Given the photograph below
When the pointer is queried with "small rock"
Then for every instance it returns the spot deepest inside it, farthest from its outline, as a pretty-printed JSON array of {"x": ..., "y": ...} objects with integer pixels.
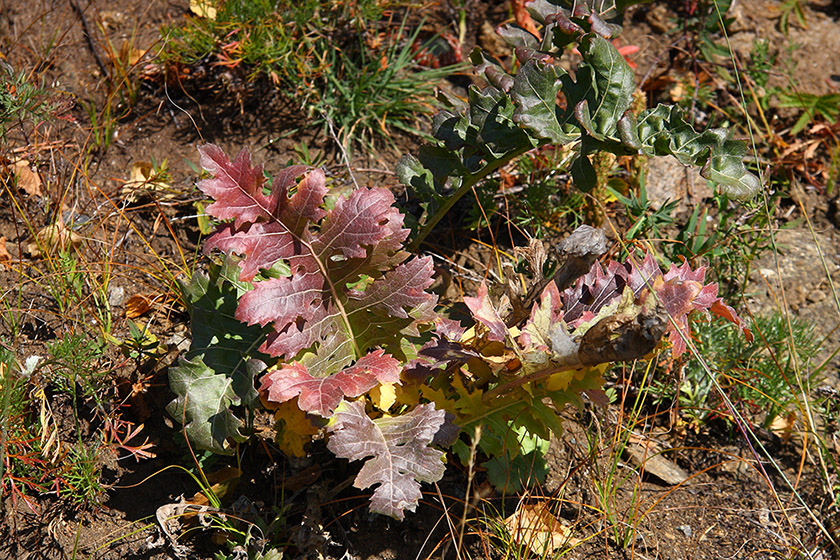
[
  {"x": 116, "y": 296},
  {"x": 816, "y": 296},
  {"x": 685, "y": 530},
  {"x": 668, "y": 179},
  {"x": 179, "y": 341}
]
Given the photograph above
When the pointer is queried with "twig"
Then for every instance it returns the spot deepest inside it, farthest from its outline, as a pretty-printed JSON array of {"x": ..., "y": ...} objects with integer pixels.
[
  {"x": 341, "y": 147},
  {"x": 89, "y": 37}
]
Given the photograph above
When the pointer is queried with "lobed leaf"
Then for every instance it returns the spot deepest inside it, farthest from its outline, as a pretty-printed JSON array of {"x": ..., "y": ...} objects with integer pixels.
[
  {"x": 321, "y": 395},
  {"x": 350, "y": 286},
  {"x": 203, "y": 405},
  {"x": 218, "y": 371},
  {"x": 397, "y": 450}
]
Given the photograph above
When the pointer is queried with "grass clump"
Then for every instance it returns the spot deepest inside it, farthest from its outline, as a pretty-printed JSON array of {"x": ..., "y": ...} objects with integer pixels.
[{"x": 351, "y": 72}]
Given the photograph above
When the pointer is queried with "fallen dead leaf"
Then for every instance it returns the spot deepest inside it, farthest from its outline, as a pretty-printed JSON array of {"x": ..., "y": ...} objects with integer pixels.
[
  {"x": 53, "y": 236},
  {"x": 27, "y": 180},
  {"x": 138, "y": 305},
  {"x": 537, "y": 528},
  {"x": 130, "y": 55},
  {"x": 5, "y": 257},
  {"x": 144, "y": 180},
  {"x": 222, "y": 483}
]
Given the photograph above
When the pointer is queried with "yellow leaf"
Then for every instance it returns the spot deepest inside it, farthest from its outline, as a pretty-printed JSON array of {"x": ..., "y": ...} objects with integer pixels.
[
  {"x": 383, "y": 396},
  {"x": 560, "y": 381},
  {"x": 294, "y": 430},
  {"x": 203, "y": 8},
  {"x": 439, "y": 397}
]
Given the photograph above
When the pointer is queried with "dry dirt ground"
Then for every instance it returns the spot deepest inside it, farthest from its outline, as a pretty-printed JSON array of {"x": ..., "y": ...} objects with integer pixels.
[{"x": 726, "y": 509}]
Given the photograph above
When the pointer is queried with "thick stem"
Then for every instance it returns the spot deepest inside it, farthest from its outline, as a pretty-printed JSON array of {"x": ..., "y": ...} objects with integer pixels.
[
  {"x": 519, "y": 381},
  {"x": 469, "y": 182}
]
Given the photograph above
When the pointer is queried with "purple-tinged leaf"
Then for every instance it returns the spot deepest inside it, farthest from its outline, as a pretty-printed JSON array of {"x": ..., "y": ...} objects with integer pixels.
[
  {"x": 397, "y": 452},
  {"x": 236, "y": 186},
  {"x": 402, "y": 288},
  {"x": 263, "y": 243},
  {"x": 320, "y": 395},
  {"x": 366, "y": 219},
  {"x": 449, "y": 328},
  {"x": 683, "y": 291},
  {"x": 591, "y": 292},
  {"x": 642, "y": 276},
  {"x": 484, "y": 312},
  {"x": 350, "y": 287},
  {"x": 282, "y": 300},
  {"x": 305, "y": 205}
]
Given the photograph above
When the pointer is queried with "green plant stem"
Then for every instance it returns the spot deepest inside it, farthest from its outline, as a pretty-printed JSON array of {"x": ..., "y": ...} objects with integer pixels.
[
  {"x": 519, "y": 381},
  {"x": 470, "y": 181}
]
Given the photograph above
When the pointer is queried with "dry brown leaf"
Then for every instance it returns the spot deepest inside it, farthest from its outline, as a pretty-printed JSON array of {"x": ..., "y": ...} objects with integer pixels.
[
  {"x": 222, "y": 483},
  {"x": 130, "y": 55},
  {"x": 532, "y": 525},
  {"x": 53, "y": 236},
  {"x": 138, "y": 305},
  {"x": 27, "y": 180},
  {"x": 5, "y": 257},
  {"x": 142, "y": 179}
]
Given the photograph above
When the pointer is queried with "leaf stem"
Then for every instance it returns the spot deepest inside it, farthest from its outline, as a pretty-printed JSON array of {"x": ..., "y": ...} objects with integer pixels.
[
  {"x": 536, "y": 376},
  {"x": 469, "y": 182}
]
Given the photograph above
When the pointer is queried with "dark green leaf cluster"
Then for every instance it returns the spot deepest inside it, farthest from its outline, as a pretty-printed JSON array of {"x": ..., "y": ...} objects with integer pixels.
[{"x": 544, "y": 104}]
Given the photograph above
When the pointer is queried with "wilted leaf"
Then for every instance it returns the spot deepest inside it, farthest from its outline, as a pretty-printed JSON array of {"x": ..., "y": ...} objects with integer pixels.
[
  {"x": 222, "y": 483},
  {"x": 143, "y": 180},
  {"x": 397, "y": 452}
]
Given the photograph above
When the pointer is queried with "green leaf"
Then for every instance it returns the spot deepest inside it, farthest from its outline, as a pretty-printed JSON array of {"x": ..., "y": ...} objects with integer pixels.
[
  {"x": 203, "y": 405},
  {"x": 491, "y": 113},
  {"x": 663, "y": 131},
  {"x": 604, "y": 86},
  {"x": 222, "y": 342},
  {"x": 418, "y": 178},
  {"x": 218, "y": 370},
  {"x": 534, "y": 93}
]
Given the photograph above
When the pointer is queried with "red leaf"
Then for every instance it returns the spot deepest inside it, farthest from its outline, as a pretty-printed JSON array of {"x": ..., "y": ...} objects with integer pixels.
[
  {"x": 365, "y": 219},
  {"x": 236, "y": 186},
  {"x": 401, "y": 288},
  {"x": 263, "y": 243},
  {"x": 484, "y": 312},
  {"x": 320, "y": 395},
  {"x": 350, "y": 286}
]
